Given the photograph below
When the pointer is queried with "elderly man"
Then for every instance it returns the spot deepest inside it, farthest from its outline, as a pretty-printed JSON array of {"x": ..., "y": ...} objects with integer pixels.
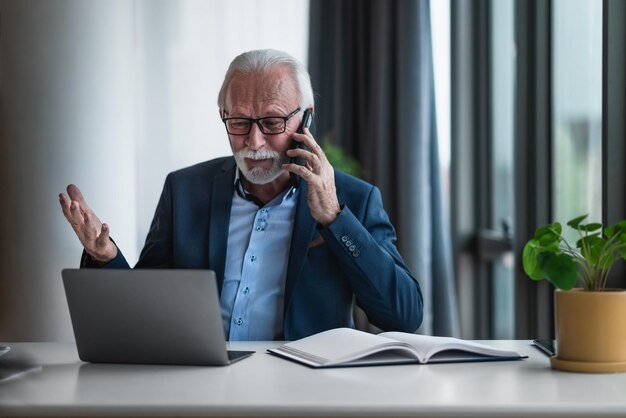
[{"x": 290, "y": 256}]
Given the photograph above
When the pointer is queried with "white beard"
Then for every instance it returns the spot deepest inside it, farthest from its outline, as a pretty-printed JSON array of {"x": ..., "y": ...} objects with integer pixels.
[{"x": 259, "y": 175}]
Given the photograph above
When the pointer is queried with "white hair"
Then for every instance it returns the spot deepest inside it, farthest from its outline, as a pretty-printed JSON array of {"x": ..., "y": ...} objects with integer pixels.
[{"x": 262, "y": 61}]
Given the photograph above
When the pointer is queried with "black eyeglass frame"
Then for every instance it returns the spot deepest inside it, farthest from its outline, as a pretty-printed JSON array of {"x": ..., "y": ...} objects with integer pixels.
[{"x": 258, "y": 123}]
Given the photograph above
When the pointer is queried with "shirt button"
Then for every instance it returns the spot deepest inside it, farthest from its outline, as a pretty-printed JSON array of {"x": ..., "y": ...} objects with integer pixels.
[
  {"x": 355, "y": 253},
  {"x": 344, "y": 238},
  {"x": 246, "y": 290},
  {"x": 239, "y": 321},
  {"x": 252, "y": 258},
  {"x": 352, "y": 247},
  {"x": 348, "y": 243}
]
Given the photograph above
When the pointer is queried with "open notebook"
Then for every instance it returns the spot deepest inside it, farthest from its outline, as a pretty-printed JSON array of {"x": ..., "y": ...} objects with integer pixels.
[{"x": 349, "y": 347}]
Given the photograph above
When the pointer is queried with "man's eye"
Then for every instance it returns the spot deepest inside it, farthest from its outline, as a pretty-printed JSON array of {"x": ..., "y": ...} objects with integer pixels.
[
  {"x": 239, "y": 124},
  {"x": 272, "y": 123}
]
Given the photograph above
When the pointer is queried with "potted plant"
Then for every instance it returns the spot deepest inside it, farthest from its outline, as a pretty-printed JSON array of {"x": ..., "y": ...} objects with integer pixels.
[{"x": 590, "y": 320}]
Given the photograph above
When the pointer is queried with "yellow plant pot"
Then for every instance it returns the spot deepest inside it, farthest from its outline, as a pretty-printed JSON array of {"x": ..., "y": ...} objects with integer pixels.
[{"x": 590, "y": 331}]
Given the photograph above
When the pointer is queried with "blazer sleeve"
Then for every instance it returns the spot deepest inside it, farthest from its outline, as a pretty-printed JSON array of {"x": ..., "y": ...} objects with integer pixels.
[
  {"x": 383, "y": 286},
  {"x": 119, "y": 262}
]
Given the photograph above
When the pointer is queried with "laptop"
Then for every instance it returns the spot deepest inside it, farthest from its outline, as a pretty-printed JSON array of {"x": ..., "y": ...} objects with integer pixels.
[{"x": 147, "y": 317}]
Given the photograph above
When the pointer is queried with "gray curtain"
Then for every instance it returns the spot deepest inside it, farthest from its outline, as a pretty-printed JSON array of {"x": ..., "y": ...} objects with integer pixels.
[{"x": 372, "y": 71}]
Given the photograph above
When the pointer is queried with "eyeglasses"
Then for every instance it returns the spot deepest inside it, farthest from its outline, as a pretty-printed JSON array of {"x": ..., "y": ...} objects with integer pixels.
[{"x": 271, "y": 125}]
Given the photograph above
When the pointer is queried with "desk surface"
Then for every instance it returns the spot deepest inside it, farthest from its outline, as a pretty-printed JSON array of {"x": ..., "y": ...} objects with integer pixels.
[{"x": 263, "y": 385}]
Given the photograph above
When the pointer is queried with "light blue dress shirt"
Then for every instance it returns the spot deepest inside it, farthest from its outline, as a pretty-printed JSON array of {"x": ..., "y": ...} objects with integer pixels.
[{"x": 256, "y": 266}]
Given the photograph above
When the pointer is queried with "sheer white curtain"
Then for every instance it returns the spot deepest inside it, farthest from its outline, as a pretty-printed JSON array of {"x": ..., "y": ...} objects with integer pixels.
[{"x": 110, "y": 95}]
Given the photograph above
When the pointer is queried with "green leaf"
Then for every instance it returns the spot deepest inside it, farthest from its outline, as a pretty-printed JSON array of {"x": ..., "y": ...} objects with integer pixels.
[
  {"x": 529, "y": 260},
  {"x": 576, "y": 221},
  {"x": 590, "y": 227},
  {"x": 548, "y": 239},
  {"x": 591, "y": 248},
  {"x": 560, "y": 269},
  {"x": 552, "y": 247},
  {"x": 543, "y": 258},
  {"x": 553, "y": 229},
  {"x": 616, "y": 229}
]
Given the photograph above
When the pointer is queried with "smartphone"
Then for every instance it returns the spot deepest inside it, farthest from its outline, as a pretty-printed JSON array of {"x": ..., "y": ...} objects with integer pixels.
[
  {"x": 307, "y": 117},
  {"x": 547, "y": 346}
]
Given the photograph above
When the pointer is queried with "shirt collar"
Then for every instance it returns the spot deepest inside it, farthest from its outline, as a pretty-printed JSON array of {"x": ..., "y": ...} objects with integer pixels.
[{"x": 241, "y": 192}]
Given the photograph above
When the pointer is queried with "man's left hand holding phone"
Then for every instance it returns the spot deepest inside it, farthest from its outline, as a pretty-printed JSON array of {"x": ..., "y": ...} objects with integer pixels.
[{"x": 316, "y": 171}]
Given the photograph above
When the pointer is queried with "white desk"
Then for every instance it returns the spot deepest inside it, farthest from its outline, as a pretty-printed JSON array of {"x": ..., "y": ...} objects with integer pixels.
[{"x": 263, "y": 385}]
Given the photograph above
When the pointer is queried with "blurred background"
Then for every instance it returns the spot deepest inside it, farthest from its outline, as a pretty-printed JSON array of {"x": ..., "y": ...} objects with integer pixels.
[{"x": 478, "y": 119}]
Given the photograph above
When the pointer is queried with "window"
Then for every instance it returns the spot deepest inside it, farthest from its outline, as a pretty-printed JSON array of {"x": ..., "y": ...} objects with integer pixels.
[
  {"x": 538, "y": 131},
  {"x": 577, "y": 109},
  {"x": 440, "y": 18},
  {"x": 502, "y": 87}
]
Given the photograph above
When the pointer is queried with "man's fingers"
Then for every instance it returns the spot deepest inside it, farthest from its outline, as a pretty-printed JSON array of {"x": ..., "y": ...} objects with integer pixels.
[
  {"x": 92, "y": 226},
  {"x": 76, "y": 215},
  {"x": 314, "y": 163},
  {"x": 75, "y": 194},
  {"x": 300, "y": 170},
  {"x": 103, "y": 239},
  {"x": 90, "y": 231},
  {"x": 307, "y": 139},
  {"x": 65, "y": 206},
  {"x": 310, "y": 142}
]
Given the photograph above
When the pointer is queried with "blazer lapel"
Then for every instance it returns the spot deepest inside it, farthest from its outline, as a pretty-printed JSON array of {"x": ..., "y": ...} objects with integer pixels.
[
  {"x": 221, "y": 202},
  {"x": 303, "y": 231}
]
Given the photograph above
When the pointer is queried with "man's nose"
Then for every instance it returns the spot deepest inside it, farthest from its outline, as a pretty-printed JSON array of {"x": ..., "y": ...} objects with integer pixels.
[{"x": 256, "y": 139}]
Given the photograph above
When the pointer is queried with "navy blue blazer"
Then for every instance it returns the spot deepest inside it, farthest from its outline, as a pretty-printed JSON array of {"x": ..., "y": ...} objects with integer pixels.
[{"x": 354, "y": 258}]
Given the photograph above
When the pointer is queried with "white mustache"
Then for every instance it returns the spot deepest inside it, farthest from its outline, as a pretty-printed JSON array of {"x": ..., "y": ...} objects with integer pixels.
[{"x": 258, "y": 155}]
